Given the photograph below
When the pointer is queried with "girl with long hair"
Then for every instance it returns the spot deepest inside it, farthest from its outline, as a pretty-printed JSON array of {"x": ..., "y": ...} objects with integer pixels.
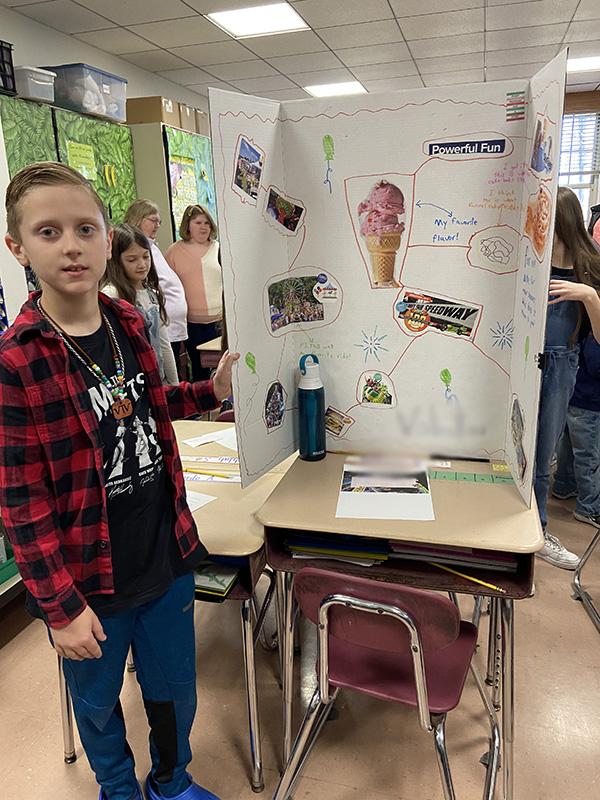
[{"x": 131, "y": 275}]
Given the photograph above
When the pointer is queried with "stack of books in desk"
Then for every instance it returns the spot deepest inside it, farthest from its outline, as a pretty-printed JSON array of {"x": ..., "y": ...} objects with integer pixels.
[
  {"x": 215, "y": 581},
  {"x": 459, "y": 556},
  {"x": 351, "y": 549}
]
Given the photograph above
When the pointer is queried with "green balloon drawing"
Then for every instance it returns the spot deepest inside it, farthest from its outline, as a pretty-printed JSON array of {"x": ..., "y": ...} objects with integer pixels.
[
  {"x": 328, "y": 147},
  {"x": 251, "y": 362},
  {"x": 526, "y": 348},
  {"x": 446, "y": 377}
]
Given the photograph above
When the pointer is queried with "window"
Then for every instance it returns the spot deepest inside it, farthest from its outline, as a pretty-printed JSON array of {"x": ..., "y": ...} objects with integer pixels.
[{"x": 580, "y": 157}]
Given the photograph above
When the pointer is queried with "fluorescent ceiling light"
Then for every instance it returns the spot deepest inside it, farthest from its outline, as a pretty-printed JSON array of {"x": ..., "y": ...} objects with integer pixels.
[
  {"x": 258, "y": 21},
  {"x": 333, "y": 89},
  {"x": 583, "y": 64}
]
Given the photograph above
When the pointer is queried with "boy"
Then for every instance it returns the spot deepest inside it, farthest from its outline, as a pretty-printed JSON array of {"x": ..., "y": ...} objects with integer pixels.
[{"x": 91, "y": 486}]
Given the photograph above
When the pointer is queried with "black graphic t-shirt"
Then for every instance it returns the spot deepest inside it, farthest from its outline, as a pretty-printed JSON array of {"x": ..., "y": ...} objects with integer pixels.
[{"x": 145, "y": 555}]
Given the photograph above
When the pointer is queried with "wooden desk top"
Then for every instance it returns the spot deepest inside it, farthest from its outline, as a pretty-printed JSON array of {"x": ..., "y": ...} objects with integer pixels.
[
  {"x": 214, "y": 345},
  {"x": 485, "y": 515},
  {"x": 228, "y": 525}
]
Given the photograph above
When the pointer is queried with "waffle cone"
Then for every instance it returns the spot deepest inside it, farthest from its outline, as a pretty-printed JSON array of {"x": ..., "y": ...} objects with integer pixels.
[{"x": 383, "y": 251}]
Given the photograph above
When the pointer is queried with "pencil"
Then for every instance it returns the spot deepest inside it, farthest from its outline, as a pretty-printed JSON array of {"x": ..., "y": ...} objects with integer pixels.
[
  {"x": 205, "y": 472},
  {"x": 470, "y": 578}
]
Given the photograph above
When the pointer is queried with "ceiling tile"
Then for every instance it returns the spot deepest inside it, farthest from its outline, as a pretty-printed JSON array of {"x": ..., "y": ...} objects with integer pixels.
[
  {"x": 523, "y": 15},
  {"x": 584, "y": 32},
  {"x": 286, "y": 94},
  {"x": 526, "y": 37},
  {"x": 450, "y": 63},
  {"x": 524, "y": 71},
  {"x": 14, "y": 3},
  {"x": 254, "y": 85},
  {"x": 64, "y": 16},
  {"x": 131, "y": 12},
  {"x": 521, "y": 55},
  {"x": 179, "y": 33},
  {"x": 374, "y": 54},
  {"x": 216, "y": 53},
  {"x": 453, "y": 23},
  {"x": 505, "y": 2},
  {"x": 392, "y": 84},
  {"x": 321, "y": 15},
  {"x": 447, "y": 45},
  {"x": 588, "y": 9},
  {"x": 363, "y": 34},
  {"x": 285, "y": 44},
  {"x": 412, "y": 8},
  {"x": 186, "y": 76},
  {"x": 154, "y": 60},
  {"x": 395, "y": 69},
  {"x": 212, "y": 6},
  {"x": 454, "y": 78},
  {"x": 306, "y": 63},
  {"x": 114, "y": 40},
  {"x": 319, "y": 77},
  {"x": 242, "y": 69},
  {"x": 202, "y": 88},
  {"x": 582, "y": 49}
]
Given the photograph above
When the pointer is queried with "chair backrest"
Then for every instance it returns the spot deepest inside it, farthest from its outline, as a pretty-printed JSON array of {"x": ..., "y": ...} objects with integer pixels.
[
  {"x": 435, "y": 616},
  {"x": 225, "y": 416}
]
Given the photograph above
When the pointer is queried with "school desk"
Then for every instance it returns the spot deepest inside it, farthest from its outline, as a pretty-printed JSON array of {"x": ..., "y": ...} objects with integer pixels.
[
  {"x": 210, "y": 352},
  {"x": 227, "y": 527},
  {"x": 580, "y": 592},
  {"x": 468, "y": 513}
]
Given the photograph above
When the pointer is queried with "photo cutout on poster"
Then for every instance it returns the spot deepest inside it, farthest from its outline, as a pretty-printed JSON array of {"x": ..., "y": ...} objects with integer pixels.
[
  {"x": 417, "y": 312},
  {"x": 285, "y": 214},
  {"x": 542, "y": 155},
  {"x": 517, "y": 430},
  {"x": 275, "y": 406},
  {"x": 305, "y": 297},
  {"x": 337, "y": 422},
  {"x": 376, "y": 390},
  {"x": 247, "y": 173},
  {"x": 381, "y": 216},
  {"x": 538, "y": 219}
]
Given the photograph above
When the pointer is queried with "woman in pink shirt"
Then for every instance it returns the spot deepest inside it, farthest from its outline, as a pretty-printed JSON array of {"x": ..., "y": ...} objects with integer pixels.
[{"x": 195, "y": 259}]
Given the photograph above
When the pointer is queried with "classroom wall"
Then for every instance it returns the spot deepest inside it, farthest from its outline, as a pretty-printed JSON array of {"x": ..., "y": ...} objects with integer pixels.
[{"x": 38, "y": 45}]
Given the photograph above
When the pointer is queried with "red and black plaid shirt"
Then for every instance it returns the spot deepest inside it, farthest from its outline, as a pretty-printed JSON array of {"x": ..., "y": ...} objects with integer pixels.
[{"x": 52, "y": 491}]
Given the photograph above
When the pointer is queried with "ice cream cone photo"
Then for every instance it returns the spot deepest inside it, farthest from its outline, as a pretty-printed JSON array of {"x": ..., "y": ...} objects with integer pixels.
[{"x": 382, "y": 228}]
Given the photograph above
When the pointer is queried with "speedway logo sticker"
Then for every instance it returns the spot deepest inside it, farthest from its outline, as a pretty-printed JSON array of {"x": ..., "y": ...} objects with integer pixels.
[{"x": 417, "y": 311}]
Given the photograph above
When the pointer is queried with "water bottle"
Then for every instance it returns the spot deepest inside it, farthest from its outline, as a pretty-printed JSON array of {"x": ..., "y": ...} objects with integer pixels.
[{"x": 311, "y": 410}]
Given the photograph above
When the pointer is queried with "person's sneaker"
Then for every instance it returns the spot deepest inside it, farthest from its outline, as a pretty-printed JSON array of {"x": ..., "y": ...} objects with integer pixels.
[
  {"x": 591, "y": 519},
  {"x": 554, "y": 553},
  {"x": 564, "y": 496}
]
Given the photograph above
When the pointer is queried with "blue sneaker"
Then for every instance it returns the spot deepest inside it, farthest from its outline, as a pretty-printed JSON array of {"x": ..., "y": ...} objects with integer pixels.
[
  {"x": 137, "y": 796},
  {"x": 193, "y": 792}
]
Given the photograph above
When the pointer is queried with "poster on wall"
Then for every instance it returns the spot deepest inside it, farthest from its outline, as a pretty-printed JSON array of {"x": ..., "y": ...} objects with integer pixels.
[
  {"x": 190, "y": 168},
  {"x": 405, "y": 240}
]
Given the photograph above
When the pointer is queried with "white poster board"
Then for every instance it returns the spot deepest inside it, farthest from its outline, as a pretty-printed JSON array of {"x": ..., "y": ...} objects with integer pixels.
[{"x": 403, "y": 238}]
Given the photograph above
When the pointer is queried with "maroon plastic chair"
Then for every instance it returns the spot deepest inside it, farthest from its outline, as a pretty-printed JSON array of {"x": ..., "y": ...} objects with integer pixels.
[
  {"x": 225, "y": 416},
  {"x": 392, "y": 642}
]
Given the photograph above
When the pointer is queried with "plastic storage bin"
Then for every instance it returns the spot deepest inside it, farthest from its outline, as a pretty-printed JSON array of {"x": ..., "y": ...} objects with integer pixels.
[
  {"x": 35, "y": 83},
  {"x": 9, "y": 568},
  {"x": 7, "y": 73},
  {"x": 88, "y": 90}
]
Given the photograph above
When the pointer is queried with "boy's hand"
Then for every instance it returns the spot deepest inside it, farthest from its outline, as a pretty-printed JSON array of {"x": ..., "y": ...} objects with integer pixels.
[
  {"x": 79, "y": 639},
  {"x": 222, "y": 378}
]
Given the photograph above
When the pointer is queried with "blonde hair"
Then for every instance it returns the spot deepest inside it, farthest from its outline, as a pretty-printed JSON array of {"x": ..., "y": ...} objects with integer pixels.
[
  {"x": 138, "y": 211},
  {"x": 189, "y": 214},
  {"x": 44, "y": 173}
]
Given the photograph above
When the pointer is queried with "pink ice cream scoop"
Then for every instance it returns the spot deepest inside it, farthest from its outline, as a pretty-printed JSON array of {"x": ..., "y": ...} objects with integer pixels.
[{"x": 382, "y": 208}]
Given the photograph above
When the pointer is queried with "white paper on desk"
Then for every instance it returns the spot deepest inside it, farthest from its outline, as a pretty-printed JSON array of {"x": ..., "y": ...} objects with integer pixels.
[
  {"x": 225, "y": 478},
  {"x": 225, "y": 437},
  {"x": 195, "y": 500},
  {"x": 385, "y": 489}
]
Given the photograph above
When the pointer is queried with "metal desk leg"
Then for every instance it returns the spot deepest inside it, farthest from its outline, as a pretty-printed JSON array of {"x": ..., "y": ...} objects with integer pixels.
[
  {"x": 251, "y": 695},
  {"x": 580, "y": 592},
  {"x": 285, "y": 599},
  {"x": 494, "y": 660},
  {"x": 66, "y": 712},
  {"x": 508, "y": 688}
]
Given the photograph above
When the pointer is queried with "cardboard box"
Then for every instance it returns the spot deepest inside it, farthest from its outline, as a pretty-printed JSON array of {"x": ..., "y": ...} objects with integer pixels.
[
  {"x": 187, "y": 116},
  {"x": 202, "y": 125},
  {"x": 153, "y": 109}
]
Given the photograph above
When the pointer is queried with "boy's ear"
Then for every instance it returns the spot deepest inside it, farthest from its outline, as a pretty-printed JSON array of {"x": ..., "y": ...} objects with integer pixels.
[
  {"x": 109, "y": 239},
  {"x": 18, "y": 251}
]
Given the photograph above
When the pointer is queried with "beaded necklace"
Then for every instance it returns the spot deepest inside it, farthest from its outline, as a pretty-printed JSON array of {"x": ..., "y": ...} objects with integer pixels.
[{"x": 122, "y": 406}]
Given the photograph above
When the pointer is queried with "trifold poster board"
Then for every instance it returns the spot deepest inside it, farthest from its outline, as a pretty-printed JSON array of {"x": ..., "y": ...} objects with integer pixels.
[{"x": 404, "y": 239}]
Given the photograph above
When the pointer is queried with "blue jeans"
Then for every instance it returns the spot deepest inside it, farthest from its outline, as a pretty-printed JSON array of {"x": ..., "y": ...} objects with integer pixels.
[
  {"x": 558, "y": 382},
  {"x": 161, "y": 634},
  {"x": 579, "y": 460}
]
